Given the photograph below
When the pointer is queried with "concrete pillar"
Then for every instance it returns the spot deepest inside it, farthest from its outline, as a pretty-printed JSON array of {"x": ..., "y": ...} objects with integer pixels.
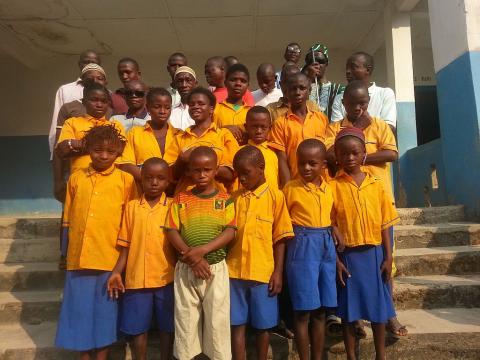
[
  {"x": 455, "y": 31},
  {"x": 400, "y": 77}
]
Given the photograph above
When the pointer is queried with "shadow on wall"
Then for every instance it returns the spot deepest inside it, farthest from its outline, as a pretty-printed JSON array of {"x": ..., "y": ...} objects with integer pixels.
[{"x": 26, "y": 178}]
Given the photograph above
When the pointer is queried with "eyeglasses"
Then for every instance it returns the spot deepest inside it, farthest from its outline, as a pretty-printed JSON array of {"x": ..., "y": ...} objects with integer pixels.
[
  {"x": 134, "y": 93},
  {"x": 293, "y": 49}
]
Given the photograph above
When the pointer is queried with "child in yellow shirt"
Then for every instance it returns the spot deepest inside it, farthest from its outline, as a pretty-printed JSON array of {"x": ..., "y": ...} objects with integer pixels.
[
  {"x": 255, "y": 258},
  {"x": 311, "y": 258},
  {"x": 96, "y": 197},
  {"x": 364, "y": 212},
  {"x": 149, "y": 260}
]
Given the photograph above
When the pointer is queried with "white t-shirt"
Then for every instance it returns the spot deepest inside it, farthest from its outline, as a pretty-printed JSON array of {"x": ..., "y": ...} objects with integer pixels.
[
  {"x": 382, "y": 105},
  {"x": 180, "y": 118},
  {"x": 262, "y": 99}
]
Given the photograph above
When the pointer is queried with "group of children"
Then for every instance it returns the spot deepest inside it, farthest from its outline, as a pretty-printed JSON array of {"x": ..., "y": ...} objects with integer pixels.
[{"x": 202, "y": 228}]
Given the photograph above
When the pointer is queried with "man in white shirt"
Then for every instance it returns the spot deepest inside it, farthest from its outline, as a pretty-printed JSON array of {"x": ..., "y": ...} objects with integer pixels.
[
  {"x": 267, "y": 92},
  {"x": 382, "y": 100},
  {"x": 70, "y": 92},
  {"x": 184, "y": 81},
  {"x": 175, "y": 61}
]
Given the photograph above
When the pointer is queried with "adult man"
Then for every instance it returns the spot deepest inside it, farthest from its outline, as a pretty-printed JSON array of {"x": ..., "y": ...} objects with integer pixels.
[
  {"x": 128, "y": 70},
  {"x": 292, "y": 54},
  {"x": 184, "y": 81},
  {"x": 70, "y": 92},
  {"x": 137, "y": 114},
  {"x": 382, "y": 100},
  {"x": 322, "y": 91},
  {"x": 175, "y": 61}
]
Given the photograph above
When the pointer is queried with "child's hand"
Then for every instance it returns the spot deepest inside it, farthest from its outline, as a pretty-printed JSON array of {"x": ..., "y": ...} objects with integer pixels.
[
  {"x": 185, "y": 156},
  {"x": 341, "y": 269},
  {"x": 193, "y": 256},
  {"x": 237, "y": 132},
  {"x": 275, "y": 284},
  {"x": 338, "y": 239},
  {"x": 387, "y": 268},
  {"x": 115, "y": 285},
  {"x": 201, "y": 270}
]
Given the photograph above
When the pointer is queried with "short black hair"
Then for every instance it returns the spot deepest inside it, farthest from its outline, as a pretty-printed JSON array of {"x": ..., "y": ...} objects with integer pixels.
[
  {"x": 218, "y": 60},
  {"x": 154, "y": 161},
  {"x": 288, "y": 70},
  {"x": 157, "y": 91},
  {"x": 369, "y": 62},
  {"x": 311, "y": 144},
  {"x": 258, "y": 110},
  {"x": 89, "y": 51},
  {"x": 177, "y": 54},
  {"x": 230, "y": 60},
  {"x": 105, "y": 133},
  {"x": 93, "y": 86},
  {"x": 203, "y": 91},
  {"x": 292, "y": 44},
  {"x": 354, "y": 86},
  {"x": 129, "y": 60},
  {"x": 203, "y": 151},
  {"x": 237, "y": 68},
  {"x": 293, "y": 77},
  {"x": 251, "y": 154}
]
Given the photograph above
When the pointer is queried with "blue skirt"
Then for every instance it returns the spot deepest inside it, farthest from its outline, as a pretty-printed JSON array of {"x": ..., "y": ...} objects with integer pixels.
[
  {"x": 365, "y": 295},
  {"x": 88, "y": 318},
  {"x": 311, "y": 268}
]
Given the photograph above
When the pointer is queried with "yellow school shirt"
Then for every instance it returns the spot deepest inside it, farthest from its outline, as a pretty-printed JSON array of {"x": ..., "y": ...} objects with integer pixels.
[
  {"x": 362, "y": 212},
  {"x": 75, "y": 129},
  {"x": 142, "y": 145},
  {"x": 289, "y": 131},
  {"x": 279, "y": 108},
  {"x": 309, "y": 205},
  {"x": 151, "y": 258},
  {"x": 220, "y": 140},
  {"x": 93, "y": 212},
  {"x": 271, "y": 162},
  {"x": 262, "y": 220},
  {"x": 225, "y": 114},
  {"x": 378, "y": 136}
]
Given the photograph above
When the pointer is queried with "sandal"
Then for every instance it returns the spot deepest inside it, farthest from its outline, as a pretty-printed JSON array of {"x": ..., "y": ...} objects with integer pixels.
[
  {"x": 359, "y": 329},
  {"x": 333, "y": 326},
  {"x": 396, "y": 329}
]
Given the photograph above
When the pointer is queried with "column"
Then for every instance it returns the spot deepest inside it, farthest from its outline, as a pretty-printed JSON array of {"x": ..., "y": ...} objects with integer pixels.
[
  {"x": 455, "y": 31},
  {"x": 400, "y": 78}
]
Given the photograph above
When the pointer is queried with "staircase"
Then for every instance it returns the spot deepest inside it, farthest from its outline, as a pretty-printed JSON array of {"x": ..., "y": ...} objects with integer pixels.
[{"x": 437, "y": 290}]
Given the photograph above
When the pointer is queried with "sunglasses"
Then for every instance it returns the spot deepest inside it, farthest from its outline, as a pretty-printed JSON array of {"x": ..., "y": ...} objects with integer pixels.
[
  {"x": 134, "y": 93},
  {"x": 293, "y": 50}
]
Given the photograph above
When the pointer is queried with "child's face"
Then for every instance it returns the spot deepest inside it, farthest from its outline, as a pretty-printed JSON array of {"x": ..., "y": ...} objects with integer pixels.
[
  {"x": 154, "y": 180},
  {"x": 135, "y": 95},
  {"x": 236, "y": 84},
  {"x": 127, "y": 72},
  {"x": 356, "y": 69},
  {"x": 96, "y": 103},
  {"x": 160, "y": 108},
  {"x": 199, "y": 108},
  {"x": 356, "y": 103},
  {"x": 298, "y": 90},
  {"x": 249, "y": 175},
  {"x": 310, "y": 163},
  {"x": 349, "y": 152},
  {"x": 215, "y": 74},
  {"x": 103, "y": 155},
  {"x": 258, "y": 127},
  {"x": 266, "y": 81},
  {"x": 202, "y": 170}
]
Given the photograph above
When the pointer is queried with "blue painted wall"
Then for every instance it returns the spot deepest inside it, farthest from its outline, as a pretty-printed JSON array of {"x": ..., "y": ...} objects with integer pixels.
[
  {"x": 25, "y": 179},
  {"x": 458, "y": 89}
]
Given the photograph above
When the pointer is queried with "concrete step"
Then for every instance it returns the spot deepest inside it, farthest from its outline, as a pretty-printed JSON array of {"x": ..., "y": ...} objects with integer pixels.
[
  {"x": 30, "y": 276},
  {"x": 438, "y": 261},
  {"x": 29, "y": 227},
  {"x": 29, "y": 307},
  {"x": 442, "y": 333},
  {"x": 445, "y": 234},
  {"x": 431, "y": 215},
  {"x": 29, "y": 250},
  {"x": 437, "y": 291}
]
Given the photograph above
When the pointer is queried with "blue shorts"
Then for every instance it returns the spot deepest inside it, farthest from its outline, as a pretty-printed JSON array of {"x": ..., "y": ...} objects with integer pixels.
[
  {"x": 250, "y": 304},
  {"x": 139, "y": 305},
  {"x": 311, "y": 268},
  {"x": 88, "y": 318}
]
